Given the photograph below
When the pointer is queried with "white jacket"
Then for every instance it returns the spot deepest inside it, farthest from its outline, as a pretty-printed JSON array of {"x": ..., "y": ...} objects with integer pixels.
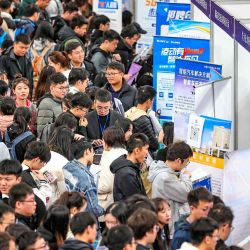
[
  {"x": 188, "y": 246},
  {"x": 106, "y": 178},
  {"x": 54, "y": 166}
]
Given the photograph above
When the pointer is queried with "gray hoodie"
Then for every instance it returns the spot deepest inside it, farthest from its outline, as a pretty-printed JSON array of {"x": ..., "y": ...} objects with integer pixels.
[{"x": 172, "y": 186}]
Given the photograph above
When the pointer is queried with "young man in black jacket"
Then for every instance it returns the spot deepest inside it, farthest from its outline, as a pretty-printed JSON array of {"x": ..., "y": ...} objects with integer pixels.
[{"x": 127, "y": 181}]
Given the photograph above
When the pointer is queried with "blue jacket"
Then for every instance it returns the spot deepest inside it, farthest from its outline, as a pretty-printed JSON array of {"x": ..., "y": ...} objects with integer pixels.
[
  {"x": 78, "y": 178},
  {"x": 181, "y": 233}
]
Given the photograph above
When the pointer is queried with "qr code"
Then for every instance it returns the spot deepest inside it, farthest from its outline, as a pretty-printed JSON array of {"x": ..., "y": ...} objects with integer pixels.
[{"x": 194, "y": 135}]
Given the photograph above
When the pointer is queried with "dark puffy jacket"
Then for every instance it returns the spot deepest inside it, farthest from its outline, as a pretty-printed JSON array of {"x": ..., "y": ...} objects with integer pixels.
[
  {"x": 127, "y": 95},
  {"x": 127, "y": 181},
  {"x": 181, "y": 234},
  {"x": 73, "y": 244},
  {"x": 96, "y": 37},
  {"x": 91, "y": 69}
]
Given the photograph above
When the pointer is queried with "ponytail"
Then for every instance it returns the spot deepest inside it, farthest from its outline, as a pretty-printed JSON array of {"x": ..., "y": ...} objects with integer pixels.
[{"x": 22, "y": 117}]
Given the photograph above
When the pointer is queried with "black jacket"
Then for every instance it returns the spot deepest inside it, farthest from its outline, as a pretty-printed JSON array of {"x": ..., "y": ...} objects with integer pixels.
[
  {"x": 89, "y": 66},
  {"x": 10, "y": 64},
  {"x": 127, "y": 179},
  {"x": 73, "y": 244},
  {"x": 81, "y": 130},
  {"x": 49, "y": 237},
  {"x": 126, "y": 53},
  {"x": 66, "y": 32},
  {"x": 92, "y": 128},
  {"x": 127, "y": 95}
]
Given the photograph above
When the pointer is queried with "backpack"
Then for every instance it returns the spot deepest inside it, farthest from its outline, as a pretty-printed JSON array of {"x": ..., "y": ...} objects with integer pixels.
[
  {"x": 11, "y": 145},
  {"x": 2, "y": 38},
  {"x": 60, "y": 45},
  {"x": 25, "y": 29}
]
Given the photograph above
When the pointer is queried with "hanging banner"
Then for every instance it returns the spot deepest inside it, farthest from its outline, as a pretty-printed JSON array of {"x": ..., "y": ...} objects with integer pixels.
[
  {"x": 189, "y": 29},
  {"x": 167, "y": 11},
  {"x": 215, "y": 142},
  {"x": 111, "y": 9},
  {"x": 166, "y": 50},
  {"x": 203, "y": 5},
  {"x": 187, "y": 75},
  {"x": 242, "y": 35}
]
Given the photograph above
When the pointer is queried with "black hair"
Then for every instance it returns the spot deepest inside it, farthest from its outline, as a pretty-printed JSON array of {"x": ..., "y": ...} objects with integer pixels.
[
  {"x": 8, "y": 106},
  {"x": 12, "y": 167},
  {"x": 27, "y": 239},
  {"x": 5, "y": 209},
  {"x": 5, "y": 4},
  {"x": 199, "y": 194},
  {"x": 218, "y": 200},
  {"x": 77, "y": 74},
  {"x": 118, "y": 210},
  {"x": 57, "y": 78},
  {"x": 116, "y": 65},
  {"x": 44, "y": 30},
  {"x": 111, "y": 35},
  {"x": 70, "y": 7},
  {"x": 72, "y": 46},
  {"x": 37, "y": 149},
  {"x": 81, "y": 100},
  {"x": 129, "y": 31},
  {"x": 72, "y": 199},
  {"x": 80, "y": 3},
  {"x": 18, "y": 193},
  {"x": 81, "y": 221},
  {"x": 30, "y": 10},
  {"x": 15, "y": 230},
  {"x": 114, "y": 137},
  {"x": 168, "y": 130},
  {"x": 145, "y": 93},
  {"x": 103, "y": 95},
  {"x": 79, "y": 147},
  {"x": 66, "y": 119},
  {"x": 56, "y": 221},
  {"x": 142, "y": 221},
  {"x": 78, "y": 22},
  {"x": 124, "y": 124},
  {"x": 201, "y": 228},
  {"x": 179, "y": 150},
  {"x": 23, "y": 38},
  {"x": 67, "y": 100},
  {"x": 6, "y": 44},
  {"x": 126, "y": 17},
  {"x": 119, "y": 236},
  {"x": 5, "y": 239},
  {"x": 60, "y": 141},
  {"x": 221, "y": 214},
  {"x": 100, "y": 19},
  {"x": 137, "y": 140},
  {"x": 91, "y": 92}
]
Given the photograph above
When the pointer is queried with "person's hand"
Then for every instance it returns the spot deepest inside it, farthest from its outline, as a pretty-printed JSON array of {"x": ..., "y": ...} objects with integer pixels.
[
  {"x": 78, "y": 137},
  {"x": 187, "y": 173},
  {"x": 117, "y": 57},
  {"x": 38, "y": 175},
  {"x": 83, "y": 122},
  {"x": 127, "y": 77},
  {"x": 98, "y": 142}
]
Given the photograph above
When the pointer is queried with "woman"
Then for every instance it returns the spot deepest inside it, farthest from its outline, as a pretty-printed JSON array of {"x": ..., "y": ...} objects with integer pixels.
[
  {"x": 18, "y": 134},
  {"x": 21, "y": 90},
  {"x": 59, "y": 61},
  {"x": 55, "y": 226},
  {"x": 59, "y": 143},
  {"x": 126, "y": 125},
  {"x": 114, "y": 147}
]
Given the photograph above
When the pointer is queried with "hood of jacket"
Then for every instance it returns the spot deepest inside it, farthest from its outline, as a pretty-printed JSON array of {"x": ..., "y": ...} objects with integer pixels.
[
  {"x": 47, "y": 95},
  {"x": 182, "y": 224},
  {"x": 66, "y": 32},
  {"x": 123, "y": 46},
  {"x": 97, "y": 49},
  {"x": 134, "y": 113},
  {"x": 73, "y": 244},
  {"x": 120, "y": 163},
  {"x": 96, "y": 35}
]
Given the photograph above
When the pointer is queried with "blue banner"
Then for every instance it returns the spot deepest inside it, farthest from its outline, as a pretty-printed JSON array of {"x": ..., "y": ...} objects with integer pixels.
[
  {"x": 168, "y": 11},
  {"x": 166, "y": 50}
]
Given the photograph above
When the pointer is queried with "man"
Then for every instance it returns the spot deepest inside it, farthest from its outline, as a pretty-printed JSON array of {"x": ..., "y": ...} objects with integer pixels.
[
  {"x": 36, "y": 156},
  {"x": 118, "y": 87},
  {"x": 83, "y": 226},
  {"x": 127, "y": 180},
  {"x": 10, "y": 175},
  {"x": 50, "y": 105},
  {"x": 80, "y": 105},
  {"x": 102, "y": 55},
  {"x": 169, "y": 182},
  {"x": 204, "y": 235},
  {"x": 78, "y": 80},
  {"x": 76, "y": 54},
  {"x": 139, "y": 116},
  {"x": 7, "y": 216},
  {"x": 124, "y": 48},
  {"x": 73, "y": 33},
  {"x": 200, "y": 201},
  {"x": 102, "y": 117},
  {"x": 15, "y": 61},
  {"x": 22, "y": 200},
  {"x": 42, "y": 5},
  {"x": 144, "y": 223},
  {"x": 78, "y": 177},
  {"x": 223, "y": 215}
]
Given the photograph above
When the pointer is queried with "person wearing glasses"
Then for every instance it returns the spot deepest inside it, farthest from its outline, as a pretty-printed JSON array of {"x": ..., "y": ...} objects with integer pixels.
[
  {"x": 223, "y": 215},
  {"x": 170, "y": 182},
  {"x": 50, "y": 105}
]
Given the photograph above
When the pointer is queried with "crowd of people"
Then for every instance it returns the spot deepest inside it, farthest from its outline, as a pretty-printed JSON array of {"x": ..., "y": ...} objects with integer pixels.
[{"x": 84, "y": 161}]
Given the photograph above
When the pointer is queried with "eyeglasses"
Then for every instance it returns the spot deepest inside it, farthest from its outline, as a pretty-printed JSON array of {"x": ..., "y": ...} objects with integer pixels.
[
  {"x": 63, "y": 88},
  {"x": 112, "y": 74},
  {"x": 29, "y": 201}
]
